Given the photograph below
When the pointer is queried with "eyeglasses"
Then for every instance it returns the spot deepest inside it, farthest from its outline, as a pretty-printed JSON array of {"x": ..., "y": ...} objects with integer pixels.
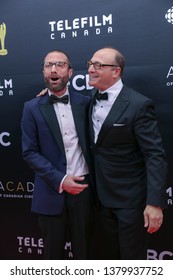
[
  {"x": 58, "y": 64},
  {"x": 97, "y": 65}
]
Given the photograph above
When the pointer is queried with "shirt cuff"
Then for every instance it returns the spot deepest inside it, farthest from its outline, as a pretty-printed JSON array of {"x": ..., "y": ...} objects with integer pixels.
[{"x": 60, "y": 187}]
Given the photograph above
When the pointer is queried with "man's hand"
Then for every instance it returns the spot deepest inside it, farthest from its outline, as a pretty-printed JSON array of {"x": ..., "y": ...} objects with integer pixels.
[
  {"x": 153, "y": 218},
  {"x": 43, "y": 92},
  {"x": 71, "y": 185}
]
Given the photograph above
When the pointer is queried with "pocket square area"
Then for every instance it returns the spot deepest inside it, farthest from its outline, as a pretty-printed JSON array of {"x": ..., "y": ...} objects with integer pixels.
[{"x": 119, "y": 124}]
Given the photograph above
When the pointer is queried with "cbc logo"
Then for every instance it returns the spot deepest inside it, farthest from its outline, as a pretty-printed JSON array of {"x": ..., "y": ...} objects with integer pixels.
[
  {"x": 4, "y": 139},
  {"x": 164, "y": 255},
  {"x": 80, "y": 82},
  {"x": 169, "y": 15}
]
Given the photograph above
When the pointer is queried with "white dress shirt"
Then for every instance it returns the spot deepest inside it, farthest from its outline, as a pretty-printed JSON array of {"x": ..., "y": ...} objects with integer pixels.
[
  {"x": 76, "y": 164},
  {"x": 102, "y": 107}
]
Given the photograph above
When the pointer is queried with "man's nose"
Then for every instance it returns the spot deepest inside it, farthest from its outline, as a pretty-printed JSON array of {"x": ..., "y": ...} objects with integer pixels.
[
  {"x": 53, "y": 68},
  {"x": 91, "y": 68}
]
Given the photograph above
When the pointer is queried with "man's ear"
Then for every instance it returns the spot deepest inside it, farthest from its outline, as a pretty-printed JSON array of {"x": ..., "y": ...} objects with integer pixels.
[
  {"x": 117, "y": 72},
  {"x": 70, "y": 72}
]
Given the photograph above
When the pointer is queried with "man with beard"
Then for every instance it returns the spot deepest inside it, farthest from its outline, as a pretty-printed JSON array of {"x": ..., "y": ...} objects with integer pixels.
[{"x": 56, "y": 147}]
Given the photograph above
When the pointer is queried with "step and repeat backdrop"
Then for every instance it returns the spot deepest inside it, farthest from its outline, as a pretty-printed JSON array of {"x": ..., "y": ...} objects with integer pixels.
[{"x": 141, "y": 30}]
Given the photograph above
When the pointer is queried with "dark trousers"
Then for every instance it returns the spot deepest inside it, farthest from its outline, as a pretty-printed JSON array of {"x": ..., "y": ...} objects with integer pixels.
[
  {"x": 124, "y": 232},
  {"x": 76, "y": 221}
]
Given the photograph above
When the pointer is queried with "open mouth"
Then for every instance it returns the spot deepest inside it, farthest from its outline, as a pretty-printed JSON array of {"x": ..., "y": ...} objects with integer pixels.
[{"x": 54, "y": 79}]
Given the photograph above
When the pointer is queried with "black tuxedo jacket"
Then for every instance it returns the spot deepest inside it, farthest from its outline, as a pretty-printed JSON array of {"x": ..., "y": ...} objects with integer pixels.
[
  {"x": 129, "y": 157},
  {"x": 43, "y": 148}
]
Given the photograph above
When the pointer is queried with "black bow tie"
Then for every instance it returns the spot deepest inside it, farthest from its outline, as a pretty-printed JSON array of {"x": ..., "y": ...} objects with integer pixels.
[
  {"x": 54, "y": 99},
  {"x": 102, "y": 96}
]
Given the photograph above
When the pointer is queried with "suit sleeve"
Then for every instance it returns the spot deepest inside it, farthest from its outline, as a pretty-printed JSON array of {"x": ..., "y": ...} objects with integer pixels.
[
  {"x": 41, "y": 166},
  {"x": 150, "y": 143}
]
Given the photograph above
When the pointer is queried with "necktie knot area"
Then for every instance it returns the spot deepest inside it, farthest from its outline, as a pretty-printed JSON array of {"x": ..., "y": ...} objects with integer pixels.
[{"x": 54, "y": 99}]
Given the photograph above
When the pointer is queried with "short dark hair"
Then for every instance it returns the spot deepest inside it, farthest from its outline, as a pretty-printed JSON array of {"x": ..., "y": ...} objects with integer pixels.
[{"x": 63, "y": 52}]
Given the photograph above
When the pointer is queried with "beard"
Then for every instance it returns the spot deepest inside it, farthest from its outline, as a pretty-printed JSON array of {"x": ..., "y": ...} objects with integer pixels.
[{"x": 56, "y": 85}]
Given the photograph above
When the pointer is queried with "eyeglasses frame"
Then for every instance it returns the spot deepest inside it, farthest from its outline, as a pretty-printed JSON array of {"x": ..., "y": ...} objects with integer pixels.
[{"x": 99, "y": 65}]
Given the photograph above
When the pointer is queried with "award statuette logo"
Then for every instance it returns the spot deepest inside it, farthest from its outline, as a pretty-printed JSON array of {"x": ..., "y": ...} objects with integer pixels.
[{"x": 3, "y": 51}]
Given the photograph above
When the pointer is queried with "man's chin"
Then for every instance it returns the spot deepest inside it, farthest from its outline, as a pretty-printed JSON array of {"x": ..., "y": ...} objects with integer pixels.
[
  {"x": 56, "y": 88},
  {"x": 91, "y": 83}
]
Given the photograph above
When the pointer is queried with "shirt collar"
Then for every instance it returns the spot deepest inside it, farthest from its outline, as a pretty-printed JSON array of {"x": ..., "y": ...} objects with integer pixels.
[{"x": 114, "y": 90}]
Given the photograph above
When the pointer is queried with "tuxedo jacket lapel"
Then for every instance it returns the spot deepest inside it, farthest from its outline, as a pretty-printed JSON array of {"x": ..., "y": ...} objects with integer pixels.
[
  {"x": 90, "y": 116},
  {"x": 51, "y": 119},
  {"x": 117, "y": 109},
  {"x": 79, "y": 115}
]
